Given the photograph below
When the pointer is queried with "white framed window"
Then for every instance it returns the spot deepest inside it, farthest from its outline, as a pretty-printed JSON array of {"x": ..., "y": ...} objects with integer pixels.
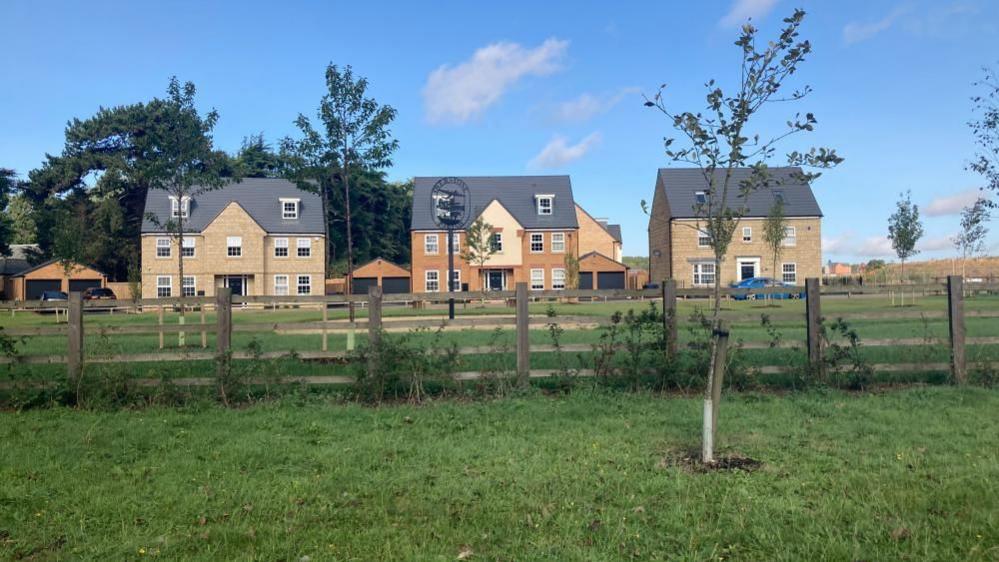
[
  {"x": 281, "y": 248},
  {"x": 558, "y": 242},
  {"x": 545, "y": 204},
  {"x": 304, "y": 286},
  {"x": 163, "y": 247},
  {"x": 558, "y": 279},
  {"x": 187, "y": 247},
  {"x": 537, "y": 242},
  {"x": 303, "y": 247},
  {"x": 164, "y": 286},
  {"x": 703, "y": 239},
  {"x": 701, "y": 197},
  {"x": 234, "y": 246},
  {"x": 188, "y": 288},
  {"x": 537, "y": 279},
  {"x": 790, "y": 236},
  {"x": 789, "y": 273},
  {"x": 281, "y": 285},
  {"x": 431, "y": 281},
  {"x": 747, "y": 234},
  {"x": 430, "y": 246},
  {"x": 289, "y": 209},
  {"x": 457, "y": 280},
  {"x": 180, "y": 208},
  {"x": 704, "y": 274},
  {"x": 496, "y": 241}
]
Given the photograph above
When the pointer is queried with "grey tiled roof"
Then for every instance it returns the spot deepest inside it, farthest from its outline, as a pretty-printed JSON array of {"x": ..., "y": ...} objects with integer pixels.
[
  {"x": 516, "y": 193},
  {"x": 681, "y": 184},
  {"x": 258, "y": 196},
  {"x": 615, "y": 231}
]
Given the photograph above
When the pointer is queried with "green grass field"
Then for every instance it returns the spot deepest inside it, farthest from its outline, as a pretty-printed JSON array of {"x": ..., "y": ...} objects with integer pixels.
[{"x": 905, "y": 475}]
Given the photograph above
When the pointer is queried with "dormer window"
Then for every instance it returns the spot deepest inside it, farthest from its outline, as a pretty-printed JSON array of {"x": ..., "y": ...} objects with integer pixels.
[
  {"x": 701, "y": 197},
  {"x": 779, "y": 195},
  {"x": 289, "y": 209},
  {"x": 545, "y": 204},
  {"x": 180, "y": 208}
]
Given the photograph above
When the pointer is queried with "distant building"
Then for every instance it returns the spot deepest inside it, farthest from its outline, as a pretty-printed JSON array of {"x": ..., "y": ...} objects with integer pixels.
[{"x": 833, "y": 269}]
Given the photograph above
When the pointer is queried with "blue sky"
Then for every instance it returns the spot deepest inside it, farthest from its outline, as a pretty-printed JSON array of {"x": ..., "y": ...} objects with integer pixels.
[{"x": 534, "y": 87}]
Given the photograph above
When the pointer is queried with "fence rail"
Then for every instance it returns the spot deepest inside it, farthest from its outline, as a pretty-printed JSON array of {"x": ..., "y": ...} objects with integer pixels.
[{"x": 521, "y": 320}]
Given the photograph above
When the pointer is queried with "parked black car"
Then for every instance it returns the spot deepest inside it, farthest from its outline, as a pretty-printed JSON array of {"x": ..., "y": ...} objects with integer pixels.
[
  {"x": 54, "y": 296},
  {"x": 99, "y": 293}
]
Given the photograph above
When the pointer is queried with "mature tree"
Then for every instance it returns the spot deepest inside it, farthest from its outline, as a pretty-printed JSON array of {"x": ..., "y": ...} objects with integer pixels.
[
  {"x": 380, "y": 207},
  {"x": 355, "y": 137},
  {"x": 8, "y": 179},
  {"x": 119, "y": 153},
  {"x": 572, "y": 271},
  {"x": 720, "y": 140},
  {"x": 774, "y": 232},
  {"x": 986, "y": 129},
  {"x": 22, "y": 219},
  {"x": 479, "y": 246},
  {"x": 257, "y": 159},
  {"x": 971, "y": 240},
  {"x": 905, "y": 229}
]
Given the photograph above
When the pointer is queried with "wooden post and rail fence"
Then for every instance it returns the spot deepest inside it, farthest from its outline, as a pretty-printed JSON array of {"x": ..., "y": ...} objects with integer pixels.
[{"x": 223, "y": 327}]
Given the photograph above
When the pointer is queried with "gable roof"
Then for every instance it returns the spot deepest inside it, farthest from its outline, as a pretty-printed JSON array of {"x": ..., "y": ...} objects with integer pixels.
[
  {"x": 259, "y": 197},
  {"x": 515, "y": 193},
  {"x": 681, "y": 184},
  {"x": 595, "y": 255},
  {"x": 73, "y": 267},
  {"x": 613, "y": 229},
  {"x": 383, "y": 266}
]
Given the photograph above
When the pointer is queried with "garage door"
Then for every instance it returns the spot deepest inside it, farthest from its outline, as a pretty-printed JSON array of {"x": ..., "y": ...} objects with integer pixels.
[
  {"x": 395, "y": 285},
  {"x": 83, "y": 284},
  {"x": 586, "y": 280},
  {"x": 34, "y": 288},
  {"x": 361, "y": 284},
  {"x": 610, "y": 279}
]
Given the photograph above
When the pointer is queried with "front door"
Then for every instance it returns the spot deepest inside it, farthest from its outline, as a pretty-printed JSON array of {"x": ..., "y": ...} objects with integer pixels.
[
  {"x": 237, "y": 283},
  {"x": 748, "y": 268},
  {"x": 495, "y": 280}
]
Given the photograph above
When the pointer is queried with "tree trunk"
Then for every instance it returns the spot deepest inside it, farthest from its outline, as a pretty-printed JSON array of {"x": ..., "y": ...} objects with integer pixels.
[
  {"x": 349, "y": 287},
  {"x": 324, "y": 193},
  {"x": 180, "y": 264}
]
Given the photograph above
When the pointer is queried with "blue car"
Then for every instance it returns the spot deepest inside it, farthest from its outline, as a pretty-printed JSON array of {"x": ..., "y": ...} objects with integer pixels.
[{"x": 794, "y": 292}]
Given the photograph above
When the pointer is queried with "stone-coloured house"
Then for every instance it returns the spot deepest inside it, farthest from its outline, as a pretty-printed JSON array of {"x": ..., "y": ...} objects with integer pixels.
[
  {"x": 597, "y": 235},
  {"x": 678, "y": 251},
  {"x": 259, "y": 236}
]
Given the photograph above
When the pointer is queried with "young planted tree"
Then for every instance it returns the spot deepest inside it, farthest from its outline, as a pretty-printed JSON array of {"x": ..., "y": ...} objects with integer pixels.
[
  {"x": 479, "y": 246},
  {"x": 8, "y": 179},
  {"x": 355, "y": 137},
  {"x": 774, "y": 231},
  {"x": 971, "y": 240},
  {"x": 722, "y": 139},
  {"x": 905, "y": 229},
  {"x": 985, "y": 129}
]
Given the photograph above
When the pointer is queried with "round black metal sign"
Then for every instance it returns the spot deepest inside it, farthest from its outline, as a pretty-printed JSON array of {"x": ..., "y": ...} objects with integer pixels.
[{"x": 451, "y": 202}]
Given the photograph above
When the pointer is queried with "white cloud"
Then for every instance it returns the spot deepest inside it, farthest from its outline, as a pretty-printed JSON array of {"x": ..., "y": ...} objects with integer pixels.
[
  {"x": 461, "y": 92},
  {"x": 587, "y": 106},
  {"x": 742, "y": 10},
  {"x": 951, "y": 204},
  {"x": 849, "y": 244},
  {"x": 558, "y": 152},
  {"x": 855, "y": 32},
  {"x": 936, "y": 244}
]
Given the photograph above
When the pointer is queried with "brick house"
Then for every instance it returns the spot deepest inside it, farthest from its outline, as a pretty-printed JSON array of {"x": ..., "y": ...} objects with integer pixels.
[
  {"x": 259, "y": 236},
  {"x": 597, "y": 235},
  {"x": 534, "y": 227},
  {"x": 678, "y": 251}
]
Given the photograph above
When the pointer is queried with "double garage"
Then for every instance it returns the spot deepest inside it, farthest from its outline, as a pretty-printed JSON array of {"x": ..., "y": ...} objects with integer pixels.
[
  {"x": 597, "y": 271},
  {"x": 392, "y": 278},
  {"x": 52, "y": 276}
]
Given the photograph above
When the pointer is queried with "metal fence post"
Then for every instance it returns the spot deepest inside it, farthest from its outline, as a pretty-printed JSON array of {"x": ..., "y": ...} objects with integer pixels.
[
  {"x": 74, "y": 356},
  {"x": 955, "y": 317},
  {"x": 813, "y": 319},
  {"x": 523, "y": 336},
  {"x": 669, "y": 315},
  {"x": 223, "y": 335}
]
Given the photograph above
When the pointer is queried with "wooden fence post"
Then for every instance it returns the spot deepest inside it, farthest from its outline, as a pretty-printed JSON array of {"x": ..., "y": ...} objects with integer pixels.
[
  {"x": 955, "y": 317},
  {"x": 74, "y": 356},
  {"x": 523, "y": 336},
  {"x": 326, "y": 318},
  {"x": 204, "y": 333},
  {"x": 223, "y": 335},
  {"x": 669, "y": 315},
  {"x": 813, "y": 319},
  {"x": 374, "y": 315},
  {"x": 161, "y": 326}
]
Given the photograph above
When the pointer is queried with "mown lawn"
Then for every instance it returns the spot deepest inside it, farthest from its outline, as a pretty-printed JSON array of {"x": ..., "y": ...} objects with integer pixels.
[{"x": 910, "y": 474}]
